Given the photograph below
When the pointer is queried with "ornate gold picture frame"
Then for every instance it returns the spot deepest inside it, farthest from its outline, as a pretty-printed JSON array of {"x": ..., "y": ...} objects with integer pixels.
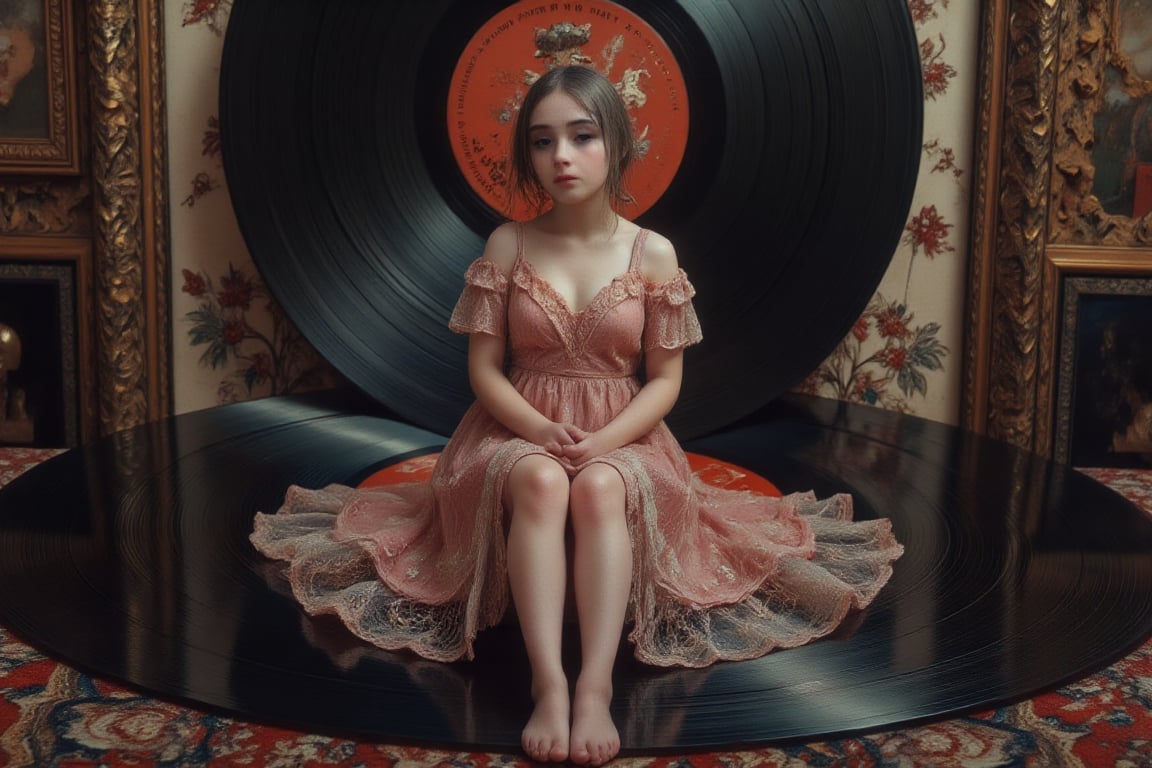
[{"x": 38, "y": 131}]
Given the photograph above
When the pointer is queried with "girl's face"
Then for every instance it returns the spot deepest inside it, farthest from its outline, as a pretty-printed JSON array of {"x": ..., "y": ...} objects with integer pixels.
[{"x": 567, "y": 150}]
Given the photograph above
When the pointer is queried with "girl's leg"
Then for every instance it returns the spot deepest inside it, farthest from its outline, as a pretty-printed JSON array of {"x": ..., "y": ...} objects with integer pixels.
[
  {"x": 536, "y": 492},
  {"x": 602, "y": 576}
]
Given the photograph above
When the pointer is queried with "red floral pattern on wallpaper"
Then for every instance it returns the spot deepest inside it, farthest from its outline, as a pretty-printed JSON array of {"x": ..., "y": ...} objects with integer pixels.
[
  {"x": 276, "y": 363},
  {"x": 205, "y": 182},
  {"x": 212, "y": 14}
]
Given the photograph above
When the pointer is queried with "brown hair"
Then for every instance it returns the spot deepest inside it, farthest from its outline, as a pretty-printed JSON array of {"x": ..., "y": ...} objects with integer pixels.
[{"x": 598, "y": 96}]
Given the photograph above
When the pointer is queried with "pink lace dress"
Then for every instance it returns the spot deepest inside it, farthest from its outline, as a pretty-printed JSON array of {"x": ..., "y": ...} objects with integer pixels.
[{"x": 717, "y": 574}]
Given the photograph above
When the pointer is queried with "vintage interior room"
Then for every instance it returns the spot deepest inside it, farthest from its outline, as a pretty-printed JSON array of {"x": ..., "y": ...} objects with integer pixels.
[{"x": 231, "y": 236}]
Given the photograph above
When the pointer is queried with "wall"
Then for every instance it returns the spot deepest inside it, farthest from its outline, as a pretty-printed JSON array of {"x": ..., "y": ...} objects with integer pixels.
[{"x": 230, "y": 343}]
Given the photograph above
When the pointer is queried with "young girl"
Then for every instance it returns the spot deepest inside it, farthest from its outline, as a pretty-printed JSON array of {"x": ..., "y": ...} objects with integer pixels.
[{"x": 577, "y": 322}]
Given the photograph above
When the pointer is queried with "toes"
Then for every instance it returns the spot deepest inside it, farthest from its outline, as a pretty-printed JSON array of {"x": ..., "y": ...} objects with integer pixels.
[{"x": 545, "y": 751}]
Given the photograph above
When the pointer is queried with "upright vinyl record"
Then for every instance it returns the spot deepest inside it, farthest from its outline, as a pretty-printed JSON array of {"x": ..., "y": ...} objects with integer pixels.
[{"x": 362, "y": 209}]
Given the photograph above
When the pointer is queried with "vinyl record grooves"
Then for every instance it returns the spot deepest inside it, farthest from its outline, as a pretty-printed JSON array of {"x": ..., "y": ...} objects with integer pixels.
[
  {"x": 803, "y": 148},
  {"x": 129, "y": 558}
]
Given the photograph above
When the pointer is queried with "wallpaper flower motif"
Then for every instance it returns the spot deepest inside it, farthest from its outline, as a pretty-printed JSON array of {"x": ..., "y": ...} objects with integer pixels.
[
  {"x": 926, "y": 233},
  {"x": 923, "y": 10},
  {"x": 210, "y": 13},
  {"x": 276, "y": 364},
  {"x": 203, "y": 182},
  {"x": 937, "y": 72},
  {"x": 884, "y": 348}
]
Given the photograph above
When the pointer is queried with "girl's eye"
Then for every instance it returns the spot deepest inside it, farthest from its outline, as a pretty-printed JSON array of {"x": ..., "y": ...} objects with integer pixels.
[
  {"x": 585, "y": 137},
  {"x": 541, "y": 142}
]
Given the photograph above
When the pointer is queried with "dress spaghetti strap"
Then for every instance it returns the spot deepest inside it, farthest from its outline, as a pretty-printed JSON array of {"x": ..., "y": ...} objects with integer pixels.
[
  {"x": 637, "y": 250},
  {"x": 519, "y": 243}
]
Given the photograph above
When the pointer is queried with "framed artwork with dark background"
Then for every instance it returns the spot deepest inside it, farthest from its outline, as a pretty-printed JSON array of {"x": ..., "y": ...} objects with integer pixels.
[
  {"x": 38, "y": 301},
  {"x": 1104, "y": 392},
  {"x": 45, "y": 296}
]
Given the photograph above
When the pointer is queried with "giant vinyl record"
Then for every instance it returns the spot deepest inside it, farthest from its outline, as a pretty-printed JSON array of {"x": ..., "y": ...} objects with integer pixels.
[{"x": 786, "y": 140}]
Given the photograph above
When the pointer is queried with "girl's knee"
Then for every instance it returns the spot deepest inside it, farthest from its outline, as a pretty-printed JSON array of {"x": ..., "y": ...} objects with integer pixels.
[
  {"x": 597, "y": 495},
  {"x": 537, "y": 480}
]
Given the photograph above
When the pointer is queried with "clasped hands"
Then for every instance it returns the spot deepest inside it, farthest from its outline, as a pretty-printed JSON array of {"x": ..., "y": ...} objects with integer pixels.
[{"x": 569, "y": 443}]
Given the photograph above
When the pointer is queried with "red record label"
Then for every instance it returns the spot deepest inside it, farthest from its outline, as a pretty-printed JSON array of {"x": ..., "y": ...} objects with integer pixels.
[
  {"x": 528, "y": 38},
  {"x": 714, "y": 472}
]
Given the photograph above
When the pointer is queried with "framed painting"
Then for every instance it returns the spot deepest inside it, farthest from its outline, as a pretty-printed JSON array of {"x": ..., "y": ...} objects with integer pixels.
[
  {"x": 38, "y": 132},
  {"x": 1104, "y": 379},
  {"x": 47, "y": 364},
  {"x": 39, "y": 404}
]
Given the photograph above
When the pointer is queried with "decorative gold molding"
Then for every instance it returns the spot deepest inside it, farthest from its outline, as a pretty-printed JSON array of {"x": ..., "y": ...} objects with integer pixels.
[
  {"x": 1009, "y": 248},
  {"x": 1090, "y": 48},
  {"x": 129, "y": 210},
  {"x": 989, "y": 112},
  {"x": 157, "y": 233},
  {"x": 45, "y": 207}
]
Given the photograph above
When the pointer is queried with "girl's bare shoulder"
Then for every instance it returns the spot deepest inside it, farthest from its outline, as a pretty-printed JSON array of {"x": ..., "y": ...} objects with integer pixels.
[
  {"x": 658, "y": 261},
  {"x": 502, "y": 245}
]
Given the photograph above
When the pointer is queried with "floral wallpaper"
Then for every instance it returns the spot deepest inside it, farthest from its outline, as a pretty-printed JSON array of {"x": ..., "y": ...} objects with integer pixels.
[
  {"x": 232, "y": 342},
  {"x": 212, "y": 14}
]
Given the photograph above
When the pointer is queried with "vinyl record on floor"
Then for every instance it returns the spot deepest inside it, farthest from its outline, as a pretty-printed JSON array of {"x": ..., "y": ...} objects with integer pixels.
[
  {"x": 364, "y": 165},
  {"x": 129, "y": 558}
]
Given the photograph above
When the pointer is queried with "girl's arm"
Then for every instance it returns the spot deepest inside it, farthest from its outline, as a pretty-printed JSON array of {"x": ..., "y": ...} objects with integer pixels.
[
  {"x": 664, "y": 369},
  {"x": 507, "y": 406}
]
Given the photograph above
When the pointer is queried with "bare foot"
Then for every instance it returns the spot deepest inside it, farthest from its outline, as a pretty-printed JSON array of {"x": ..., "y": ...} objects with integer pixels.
[
  {"x": 545, "y": 737},
  {"x": 595, "y": 739}
]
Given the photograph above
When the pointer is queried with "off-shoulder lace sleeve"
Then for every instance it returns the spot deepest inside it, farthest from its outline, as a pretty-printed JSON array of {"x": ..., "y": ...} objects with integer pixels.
[
  {"x": 670, "y": 321},
  {"x": 482, "y": 305}
]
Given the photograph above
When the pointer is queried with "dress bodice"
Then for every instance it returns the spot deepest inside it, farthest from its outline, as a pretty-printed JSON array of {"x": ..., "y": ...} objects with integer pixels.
[{"x": 604, "y": 339}]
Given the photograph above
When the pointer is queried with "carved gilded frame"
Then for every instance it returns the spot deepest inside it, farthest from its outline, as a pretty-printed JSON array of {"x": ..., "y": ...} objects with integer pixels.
[
  {"x": 57, "y": 151},
  {"x": 1035, "y": 218},
  {"x": 130, "y": 211}
]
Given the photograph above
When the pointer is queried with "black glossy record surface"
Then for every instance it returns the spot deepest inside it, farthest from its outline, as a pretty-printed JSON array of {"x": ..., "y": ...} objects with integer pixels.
[
  {"x": 803, "y": 149},
  {"x": 129, "y": 558}
]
